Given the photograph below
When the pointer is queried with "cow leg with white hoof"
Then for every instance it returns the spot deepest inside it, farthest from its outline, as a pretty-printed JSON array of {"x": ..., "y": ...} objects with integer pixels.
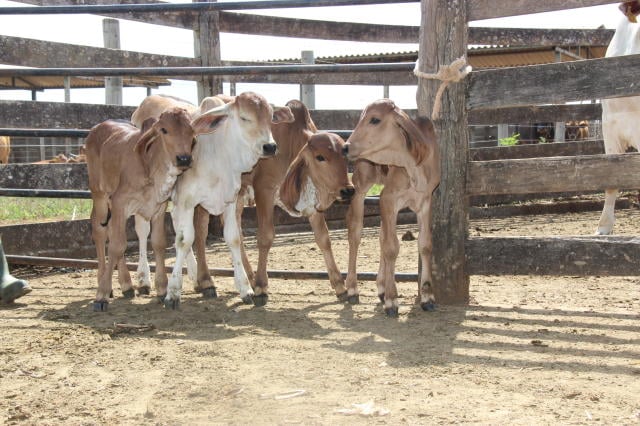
[
  {"x": 143, "y": 273},
  {"x": 183, "y": 224},
  {"x": 607, "y": 219},
  {"x": 11, "y": 288},
  {"x": 232, "y": 238}
]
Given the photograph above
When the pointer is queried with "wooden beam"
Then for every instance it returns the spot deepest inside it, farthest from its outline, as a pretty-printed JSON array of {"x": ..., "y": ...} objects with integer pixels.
[
  {"x": 536, "y": 114},
  {"x": 554, "y": 83},
  {"x": 25, "y": 114},
  {"x": 488, "y": 9},
  {"x": 555, "y": 149},
  {"x": 539, "y": 37},
  {"x": 443, "y": 40},
  {"x": 581, "y": 256},
  {"x": 555, "y": 174},
  {"x": 37, "y": 53}
]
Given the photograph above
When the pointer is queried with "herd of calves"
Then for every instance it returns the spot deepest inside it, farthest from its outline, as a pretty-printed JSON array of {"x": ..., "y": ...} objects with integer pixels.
[{"x": 209, "y": 159}]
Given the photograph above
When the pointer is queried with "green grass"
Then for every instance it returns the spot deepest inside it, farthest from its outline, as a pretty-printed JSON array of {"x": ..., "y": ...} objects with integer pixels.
[
  {"x": 27, "y": 209},
  {"x": 376, "y": 189}
]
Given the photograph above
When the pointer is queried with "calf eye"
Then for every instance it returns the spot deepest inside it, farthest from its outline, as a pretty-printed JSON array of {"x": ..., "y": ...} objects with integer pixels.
[
  {"x": 163, "y": 130},
  {"x": 374, "y": 120},
  {"x": 319, "y": 158}
]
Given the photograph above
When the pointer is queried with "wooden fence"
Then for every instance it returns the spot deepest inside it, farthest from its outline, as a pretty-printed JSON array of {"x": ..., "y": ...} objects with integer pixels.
[{"x": 485, "y": 97}]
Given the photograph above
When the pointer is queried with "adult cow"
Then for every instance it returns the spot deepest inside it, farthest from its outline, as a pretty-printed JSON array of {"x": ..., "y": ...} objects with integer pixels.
[
  {"x": 392, "y": 149},
  {"x": 306, "y": 176},
  {"x": 133, "y": 171},
  {"x": 620, "y": 115},
  {"x": 214, "y": 181},
  {"x": 5, "y": 149}
]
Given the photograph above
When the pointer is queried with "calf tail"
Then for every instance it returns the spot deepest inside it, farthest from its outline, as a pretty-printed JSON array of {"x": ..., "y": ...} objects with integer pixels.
[{"x": 106, "y": 222}]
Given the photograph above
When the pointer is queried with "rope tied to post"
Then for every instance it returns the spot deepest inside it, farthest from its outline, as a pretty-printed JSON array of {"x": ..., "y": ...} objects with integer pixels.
[{"x": 446, "y": 74}]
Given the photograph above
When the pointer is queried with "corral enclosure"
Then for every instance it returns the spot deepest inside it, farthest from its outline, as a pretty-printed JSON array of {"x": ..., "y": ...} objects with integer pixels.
[{"x": 593, "y": 331}]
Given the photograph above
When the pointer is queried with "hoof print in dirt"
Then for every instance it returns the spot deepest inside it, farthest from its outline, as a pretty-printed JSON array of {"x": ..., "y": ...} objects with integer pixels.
[
  {"x": 354, "y": 299},
  {"x": 209, "y": 293},
  {"x": 129, "y": 294},
  {"x": 391, "y": 312},
  {"x": 100, "y": 306},
  {"x": 261, "y": 299},
  {"x": 173, "y": 304},
  {"x": 144, "y": 291},
  {"x": 343, "y": 297},
  {"x": 247, "y": 300},
  {"x": 428, "y": 306}
]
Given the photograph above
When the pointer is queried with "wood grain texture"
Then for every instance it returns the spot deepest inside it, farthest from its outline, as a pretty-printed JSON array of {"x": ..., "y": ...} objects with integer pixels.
[{"x": 488, "y": 9}]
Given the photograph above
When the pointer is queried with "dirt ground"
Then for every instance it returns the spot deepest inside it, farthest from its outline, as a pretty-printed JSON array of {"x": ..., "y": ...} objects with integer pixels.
[{"x": 527, "y": 350}]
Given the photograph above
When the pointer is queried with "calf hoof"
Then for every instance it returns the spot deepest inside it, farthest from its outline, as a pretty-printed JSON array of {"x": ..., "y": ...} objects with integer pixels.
[
  {"x": 354, "y": 299},
  {"x": 173, "y": 304},
  {"x": 144, "y": 291},
  {"x": 247, "y": 300},
  {"x": 428, "y": 306},
  {"x": 381, "y": 297},
  {"x": 16, "y": 289},
  {"x": 129, "y": 294},
  {"x": 161, "y": 299},
  {"x": 100, "y": 306},
  {"x": 260, "y": 299},
  {"x": 209, "y": 293},
  {"x": 391, "y": 312},
  {"x": 343, "y": 297}
]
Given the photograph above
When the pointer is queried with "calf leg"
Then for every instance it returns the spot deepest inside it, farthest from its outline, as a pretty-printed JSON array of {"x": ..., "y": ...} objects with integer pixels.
[
  {"x": 607, "y": 219},
  {"x": 159, "y": 244},
  {"x": 232, "y": 237},
  {"x": 117, "y": 247},
  {"x": 425, "y": 247},
  {"x": 204, "y": 282},
  {"x": 183, "y": 225},
  {"x": 99, "y": 214},
  {"x": 355, "y": 216},
  {"x": 389, "y": 249},
  {"x": 143, "y": 274},
  {"x": 266, "y": 233},
  {"x": 321, "y": 234}
]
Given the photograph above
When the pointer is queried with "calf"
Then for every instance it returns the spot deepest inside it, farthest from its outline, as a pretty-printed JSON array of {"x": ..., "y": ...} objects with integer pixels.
[
  {"x": 133, "y": 171},
  {"x": 576, "y": 130},
  {"x": 306, "y": 176},
  {"x": 619, "y": 115},
  {"x": 5, "y": 149},
  {"x": 214, "y": 181},
  {"x": 390, "y": 148}
]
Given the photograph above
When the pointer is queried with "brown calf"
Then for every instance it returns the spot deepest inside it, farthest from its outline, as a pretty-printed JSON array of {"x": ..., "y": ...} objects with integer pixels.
[
  {"x": 5, "y": 149},
  {"x": 402, "y": 154},
  {"x": 576, "y": 131},
  {"x": 307, "y": 175},
  {"x": 133, "y": 171}
]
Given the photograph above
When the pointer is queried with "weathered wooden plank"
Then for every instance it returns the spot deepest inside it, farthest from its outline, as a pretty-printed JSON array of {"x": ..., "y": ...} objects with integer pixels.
[
  {"x": 555, "y": 174},
  {"x": 44, "y": 176},
  {"x": 581, "y": 256},
  {"x": 554, "y": 83},
  {"x": 443, "y": 40},
  {"x": 184, "y": 19},
  {"x": 536, "y": 114},
  {"x": 555, "y": 149},
  {"x": 38, "y": 53},
  {"x": 386, "y": 78},
  {"x": 28, "y": 114},
  {"x": 539, "y": 37},
  {"x": 488, "y": 9}
]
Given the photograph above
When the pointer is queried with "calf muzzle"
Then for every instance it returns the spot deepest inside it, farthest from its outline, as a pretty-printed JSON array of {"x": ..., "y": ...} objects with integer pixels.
[
  {"x": 347, "y": 193},
  {"x": 183, "y": 161},
  {"x": 345, "y": 150},
  {"x": 269, "y": 149}
]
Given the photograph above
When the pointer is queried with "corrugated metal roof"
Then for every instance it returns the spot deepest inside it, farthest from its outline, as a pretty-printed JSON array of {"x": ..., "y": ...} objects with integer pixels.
[{"x": 479, "y": 57}]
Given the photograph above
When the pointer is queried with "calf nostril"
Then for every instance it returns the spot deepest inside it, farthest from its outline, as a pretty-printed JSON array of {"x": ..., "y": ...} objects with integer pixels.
[
  {"x": 269, "y": 148},
  {"x": 183, "y": 160},
  {"x": 345, "y": 149},
  {"x": 347, "y": 193}
]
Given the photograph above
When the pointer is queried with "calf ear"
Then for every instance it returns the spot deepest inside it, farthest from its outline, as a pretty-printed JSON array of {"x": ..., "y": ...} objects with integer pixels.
[
  {"x": 210, "y": 121},
  {"x": 282, "y": 114},
  {"x": 148, "y": 136},
  {"x": 292, "y": 185},
  {"x": 413, "y": 137}
]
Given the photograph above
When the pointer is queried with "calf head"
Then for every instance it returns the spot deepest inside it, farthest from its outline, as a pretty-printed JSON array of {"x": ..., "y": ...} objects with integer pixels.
[
  {"x": 252, "y": 116},
  {"x": 320, "y": 160},
  {"x": 631, "y": 10},
  {"x": 174, "y": 132},
  {"x": 386, "y": 135}
]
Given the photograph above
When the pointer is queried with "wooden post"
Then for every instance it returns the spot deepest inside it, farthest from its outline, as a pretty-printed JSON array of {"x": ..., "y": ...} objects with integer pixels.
[
  {"x": 308, "y": 91},
  {"x": 111, "y": 37},
  {"x": 207, "y": 48},
  {"x": 443, "y": 39}
]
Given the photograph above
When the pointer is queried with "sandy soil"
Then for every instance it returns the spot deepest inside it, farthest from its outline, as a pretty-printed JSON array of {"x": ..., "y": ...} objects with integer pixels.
[{"x": 527, "y": 350}]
